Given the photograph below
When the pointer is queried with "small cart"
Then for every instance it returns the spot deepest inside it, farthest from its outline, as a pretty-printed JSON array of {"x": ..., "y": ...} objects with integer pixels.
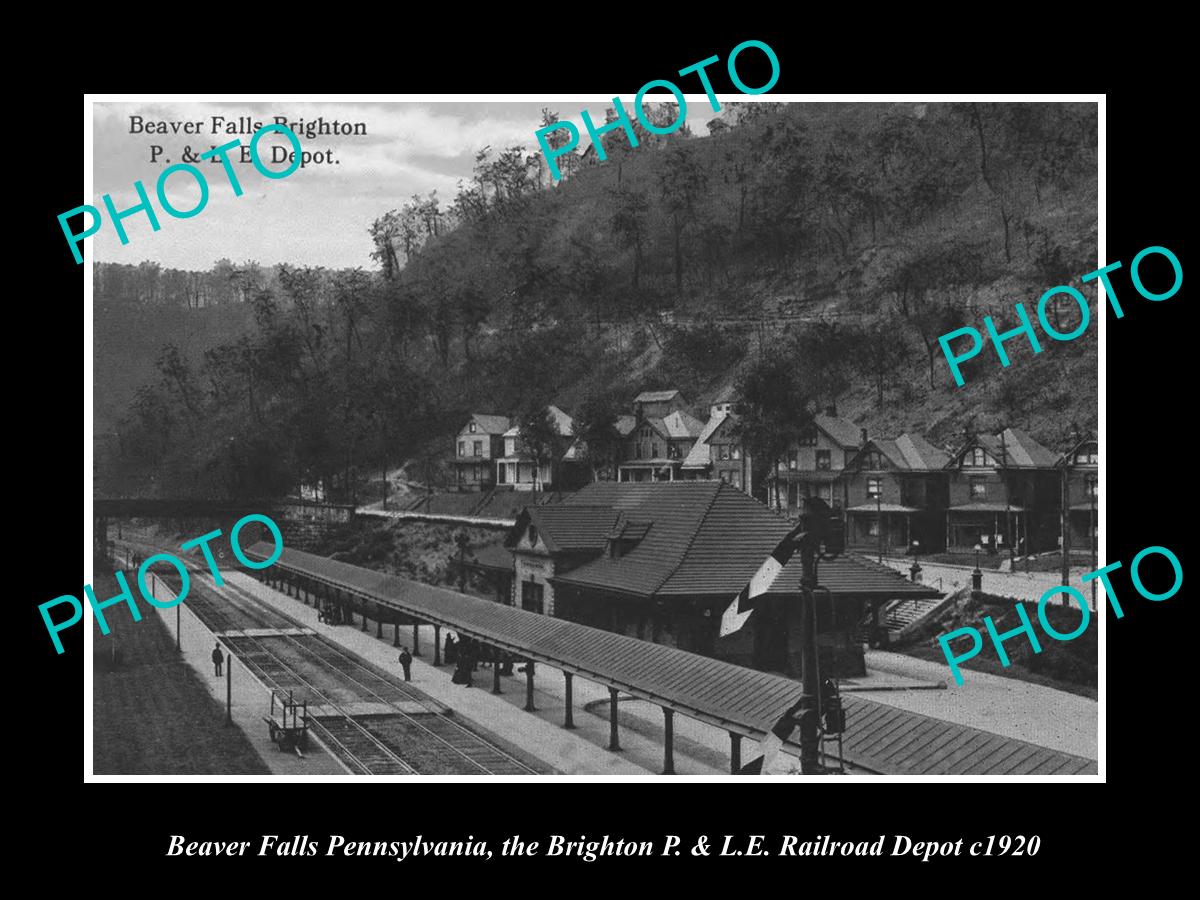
[{"x": 288, "y": 724}]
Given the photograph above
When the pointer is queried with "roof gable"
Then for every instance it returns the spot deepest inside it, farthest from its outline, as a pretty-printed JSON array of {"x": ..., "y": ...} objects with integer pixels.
[
  {"x": 486, "y": 423},
  {"x": 655, "y": 396},
  {"x": 886, "y": 448},
  {"x": 841, "y": 431},
  {"x": 1011, "y": 449},
  {"x": 682, "y": 425},
  {"x": 1087, "y": 445},
  {"x": 566, "y": 529},
  {"x": 699, "y": 456}
]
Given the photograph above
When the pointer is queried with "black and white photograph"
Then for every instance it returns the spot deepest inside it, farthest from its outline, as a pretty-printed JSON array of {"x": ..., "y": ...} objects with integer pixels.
[{"x": 726, "y": 437}]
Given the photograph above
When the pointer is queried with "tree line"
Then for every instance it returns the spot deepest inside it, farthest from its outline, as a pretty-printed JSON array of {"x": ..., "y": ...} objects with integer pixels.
[{"x": 517, "y": 292}]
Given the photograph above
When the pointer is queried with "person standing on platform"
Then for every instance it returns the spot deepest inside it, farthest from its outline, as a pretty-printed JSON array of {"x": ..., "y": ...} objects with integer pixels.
[
  {"x": 218, "y": 658},
  {"x": 406, "y": 663}
]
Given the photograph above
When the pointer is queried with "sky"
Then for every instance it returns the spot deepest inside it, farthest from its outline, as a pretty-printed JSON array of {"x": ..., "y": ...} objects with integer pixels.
[{"x": 318, "y": 215}]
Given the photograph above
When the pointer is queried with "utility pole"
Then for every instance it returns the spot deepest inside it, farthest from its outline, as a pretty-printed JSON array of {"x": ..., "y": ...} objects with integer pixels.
[
  {"x": 1065, "y": 539},
  {"x": 1012, "y": 553},
  {"x": 1092, "y": 481},
  {"x": 810, "y": 745}
]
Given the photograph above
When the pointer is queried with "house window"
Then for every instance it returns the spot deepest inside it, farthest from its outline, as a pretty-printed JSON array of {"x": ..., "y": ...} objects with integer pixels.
[
  {"x": 477, "y": 448},
  {"x": 724, "y": 451},
  {"x": 654, "y": 451},
  {"x": 637, "y": 450},
  {"x": 1093, "y": 485},
  {"x": 471, "y": 427},
  {"x": 794, "y": 459},
  {"x": 532, "y": 596},
  {"x": 978, "y": 457},
  {"x": 737, "y": 451},
  {"x": 808, "y": 437},
  {"x": 1086, "y": 458},
  {"x": 724, "y": 476},
  {"x": 874, "y": 487},
  {"x": 462, "y": 448},
  {"x": 873, "y": 528},
  {"x": 979, "y": 487},
  {"x": 823, "y": 460},
  {"x": 735, "y": 478},
  {"x": 533, "y": 535}
]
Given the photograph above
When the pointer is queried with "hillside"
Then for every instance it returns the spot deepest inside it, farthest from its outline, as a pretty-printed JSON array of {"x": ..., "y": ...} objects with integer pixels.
[{"x": 826, "y": 245}]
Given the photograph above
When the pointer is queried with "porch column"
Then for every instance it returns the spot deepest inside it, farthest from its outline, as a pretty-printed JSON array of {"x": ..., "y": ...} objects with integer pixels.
[
  {"x": 416, "y": 640},
  {"x": 396, "y": 634},
  {"x": 735, "y": 752},
  {"x": 379, "y": 628},
  {"x": 496, "y": 671},
  {"x": 613, "y": 742},
  {"x": 437, "y": 643}
]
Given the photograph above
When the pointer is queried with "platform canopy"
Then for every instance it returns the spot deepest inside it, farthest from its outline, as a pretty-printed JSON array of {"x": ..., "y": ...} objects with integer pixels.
[{"x": 743, "y": 701}]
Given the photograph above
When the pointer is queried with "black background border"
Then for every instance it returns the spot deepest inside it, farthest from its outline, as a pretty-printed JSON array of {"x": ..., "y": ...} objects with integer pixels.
[{"x": 1148, "y": 393}]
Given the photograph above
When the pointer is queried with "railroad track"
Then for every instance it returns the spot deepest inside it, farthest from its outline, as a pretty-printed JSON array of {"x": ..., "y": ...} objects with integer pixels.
[{"x": 437, "y": 744}]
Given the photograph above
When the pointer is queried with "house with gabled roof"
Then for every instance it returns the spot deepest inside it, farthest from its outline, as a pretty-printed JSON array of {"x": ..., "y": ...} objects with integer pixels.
[
  {"x": 813, "y": 463},
  {"x": 663, "y": 434},
  {"x": 896, "y": 493},
  {"x": 718, "y": 453},
  {"x": 476, "y": 447},
  {"x": 518, "y": 469},
  {"x": 1080, "y": 467},
  {"x": 1004, "y": 494}
]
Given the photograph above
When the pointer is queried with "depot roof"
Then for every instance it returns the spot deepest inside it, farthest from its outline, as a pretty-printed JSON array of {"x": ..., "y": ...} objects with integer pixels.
[{"x": 706, "y": 539}]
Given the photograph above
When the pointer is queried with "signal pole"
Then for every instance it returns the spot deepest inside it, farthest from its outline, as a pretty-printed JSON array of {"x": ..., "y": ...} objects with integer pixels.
[
  {"x": 810, "y": 739},
  {"x": 822, "y": 539}
]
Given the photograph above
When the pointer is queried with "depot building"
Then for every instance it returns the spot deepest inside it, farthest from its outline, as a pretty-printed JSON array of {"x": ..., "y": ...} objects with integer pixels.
[{"x": 661, "y": 562}]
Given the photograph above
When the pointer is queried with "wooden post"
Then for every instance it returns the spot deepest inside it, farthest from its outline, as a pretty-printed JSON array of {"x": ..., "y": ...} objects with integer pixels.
[
  {"x": 396, "y": 634},
  {"x": 613, "y": 742},
  {"x": 416, "y": 640},
  {"x": 229, "y": 688},
  {"x": 379, "y": 628},
  {"x": 569, "y": 720},
  {"x": 496, "y": 673},
  {"x": 529, "y": 707},
  {"x": 735, "y": 752},
  {"x": 668, "y": 741},
  {"x": 177, "y": 646},
  {"x": 437, "y": 645}
]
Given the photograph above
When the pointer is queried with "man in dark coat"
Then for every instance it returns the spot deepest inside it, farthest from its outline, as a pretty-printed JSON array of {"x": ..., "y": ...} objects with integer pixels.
[
  {"x": 406, "y": 663},
  {"x": 218, "y": 658}
]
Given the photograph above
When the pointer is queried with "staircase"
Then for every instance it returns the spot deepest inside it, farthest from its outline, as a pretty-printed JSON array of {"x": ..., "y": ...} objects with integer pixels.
[
  {"x": 900, "y": 616},
  {"x": 907, "y": 612}
]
